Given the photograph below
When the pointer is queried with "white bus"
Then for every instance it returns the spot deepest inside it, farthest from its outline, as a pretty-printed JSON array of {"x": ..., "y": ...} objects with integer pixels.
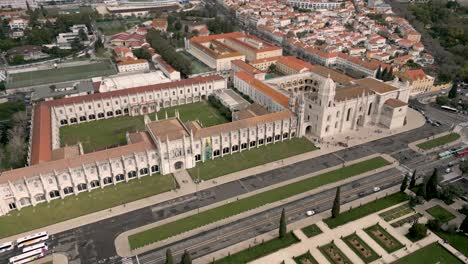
[
  {"x": 31, "y": 239},
  {"x": 27, "y": 257},
  {"x": 448, "y": 108},
  {"x": 6, "y": 247},
  {"x": 36, "y": 246}
]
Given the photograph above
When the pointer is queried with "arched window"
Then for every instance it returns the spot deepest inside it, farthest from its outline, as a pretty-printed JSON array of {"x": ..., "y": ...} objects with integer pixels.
[
  {"x": 94, "y": 183},
  {"x": 107, "y": 180},
  {"x": 54, "y": 194},
  {"x": 348, "y": 115},
  {"x": 82, "y": 187},
  {"x": 131, "y": 174},
  {"x": 155, "y": 168},
  {"x": 119, "y": 177},
  {"x": 370, "y": 109},
  {"x": 68, "y": 190}
]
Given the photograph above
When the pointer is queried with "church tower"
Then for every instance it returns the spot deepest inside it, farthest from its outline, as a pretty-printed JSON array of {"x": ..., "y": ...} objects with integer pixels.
[{"x": 326, "y": 93}]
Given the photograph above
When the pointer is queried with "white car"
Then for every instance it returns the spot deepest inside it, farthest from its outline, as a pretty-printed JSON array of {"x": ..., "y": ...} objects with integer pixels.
[
  {"x": 376, "y": 189},
  {"x": 6, "y": 247},
  {"x": 310, "y": 213}
]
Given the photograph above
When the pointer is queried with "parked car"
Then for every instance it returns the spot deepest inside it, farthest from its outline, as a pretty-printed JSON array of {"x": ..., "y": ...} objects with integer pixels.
[
  {"x": 376, "y": 189},
  {"x": 310, "y": 212}
]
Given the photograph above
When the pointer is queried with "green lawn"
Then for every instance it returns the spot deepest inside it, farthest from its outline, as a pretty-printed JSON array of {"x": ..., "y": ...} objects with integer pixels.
[
  {"x": 335, "y": 255},
  {"x": 457, "y": 240},
  {"x": 247, "y": 159},
  {"x": 366, "y": 209},
  {"x": 101, "y": 134},
  {"x": 259, "y": 251},
  {"x": 440, "y": 213},
  {"x": 431, "y": 254},
  {"x": 60, "y": 75},
  {"x": 202, "y": 111},
  {"x": 215, "y": 214},
  {"x": 311, "y": 230},
  {"x": 385, "y": 240},
  {"x": 107, "y": 133},
  {"x": 355, "y": 243},
  {"x": 439, "y": 141},
  {"x": 59, "y": 210},
  {"x": 305, "y": 258}
]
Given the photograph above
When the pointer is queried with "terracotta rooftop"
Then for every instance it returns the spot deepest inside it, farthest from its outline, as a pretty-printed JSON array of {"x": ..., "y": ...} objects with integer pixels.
[
  {"x": 265, "y": 89},
  {"x": 294, "y": 63},
  {"x": 129, "y": 62},
  {"x": 41, "y": 150},
  {"x": 395, "y": 103},
  {"x": 334, "y": 75},
  {"x": 415, "y": 75},
  {"x": 246, "y": 67},
  {"x": 165, "y": 129}
]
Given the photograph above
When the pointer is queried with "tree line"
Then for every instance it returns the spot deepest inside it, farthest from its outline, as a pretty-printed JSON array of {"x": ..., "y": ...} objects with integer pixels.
[{"x": 168, "y": 53}]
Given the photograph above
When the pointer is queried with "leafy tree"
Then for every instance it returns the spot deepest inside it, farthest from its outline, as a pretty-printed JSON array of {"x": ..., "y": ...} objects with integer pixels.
[
  {"x": 453, "y": 92},
  {"x": 169, "y": 257},
  {"x": 75, "y": 44},
  {"x": 434, "y": 224},
  {"x": 186, "y": 259},
  {"x": 82, "y": 34},
  {"x": 404, "y": 184},
  {"x": 178, "y": 25},
  {"x": 417, "y": 231},
  {"x": 336, "y": 204},
  {"x": 384, "y": 73},
  {"x": 98, "y": 44},
  {"x": 282, "y": 227},
  {"x": 17, "y": 59},
  {"x": 2, "y": 86},
  {"x": 464, "y": 166},
  {"x": 431, "y": 186},
  {"x": 142, "y": 54},
  {"x": 272, "y": 68},
  {"x": 412, "y": 183},
  {"x": 464, "y": 225},
  {"x": 442, "y": 100}
]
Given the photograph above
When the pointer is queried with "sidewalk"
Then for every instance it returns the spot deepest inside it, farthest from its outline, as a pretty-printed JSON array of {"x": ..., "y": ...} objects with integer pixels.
[
  {"x": 153, "y": 200},
  {"x": 123, "y": 248}
]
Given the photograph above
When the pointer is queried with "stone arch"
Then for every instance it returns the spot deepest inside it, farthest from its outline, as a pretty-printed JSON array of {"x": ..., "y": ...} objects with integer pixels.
[{"x": 178, "y": 165}]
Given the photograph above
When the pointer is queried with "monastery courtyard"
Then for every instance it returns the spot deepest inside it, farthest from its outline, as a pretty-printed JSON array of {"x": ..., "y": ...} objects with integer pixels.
[{"x": 108, "y": 133}]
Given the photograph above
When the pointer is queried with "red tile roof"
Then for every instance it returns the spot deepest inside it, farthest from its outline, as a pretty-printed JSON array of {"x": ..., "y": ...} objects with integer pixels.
[
  {"x": 41, "y": 145},
  {"x": 265, "y": 89}
]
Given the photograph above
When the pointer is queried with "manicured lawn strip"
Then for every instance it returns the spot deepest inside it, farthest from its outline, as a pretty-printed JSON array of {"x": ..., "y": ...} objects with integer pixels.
[
  {"x": 439, "y": 141},
  {"x": 101, "y": 134},
  {"x": 59, "y": 210},
  {"x": 457, "y": 240},
  {"x": 247, "y": 159},
  {"x": 389, "y": 249},
  {"x": 305, "y": 258},
  {"x": 343, "y": 257},
  {"x": 440, "y": 213},
  {"x": 202, "y": 111},
  {"x": 431, "y": 254},
  {"x": 60, "y": 74},
  {"x": 212, "y": 215},
  {"x": 311, "y": 230},
  {"x": 366, "y": 209},
  {"x": 108, "y": 133},
  {"x": 260, "y": 250},
  {"x": 368, "y": 259}
]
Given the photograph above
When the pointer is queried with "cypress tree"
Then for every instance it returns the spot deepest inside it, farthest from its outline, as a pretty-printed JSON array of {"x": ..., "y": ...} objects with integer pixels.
[
  {"x": 186, "y": 259},
  {"x": 404, "y": 184},
  {"x": 412, "y": 183},
  {"x": 453, "y": 92},
  {"x": 378, "y": 75},
  {"x": 431, "y": 187},
  {"x": 282, "y": 228},
  {"x": 384, "y": 73},
  {"x": 169, "y": 257},
  {"x": 336, "y": 204},
  {"x": 464, "y": 225}
]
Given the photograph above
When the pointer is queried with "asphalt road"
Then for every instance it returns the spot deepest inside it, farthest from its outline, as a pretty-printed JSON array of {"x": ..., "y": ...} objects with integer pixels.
[
  {"x": 229, "y": 234},
  {"x": 94, "y": 243}
]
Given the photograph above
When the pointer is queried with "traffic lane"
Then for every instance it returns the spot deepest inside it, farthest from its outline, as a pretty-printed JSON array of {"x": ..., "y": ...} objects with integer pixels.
[{"x": 224, "y": 236}]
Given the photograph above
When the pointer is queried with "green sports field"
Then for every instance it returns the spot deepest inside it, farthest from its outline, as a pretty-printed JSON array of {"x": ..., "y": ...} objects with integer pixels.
[{"x": 64, "y": 74}]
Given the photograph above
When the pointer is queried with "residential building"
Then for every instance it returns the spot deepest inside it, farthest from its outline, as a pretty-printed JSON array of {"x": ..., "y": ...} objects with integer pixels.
[
  {"x": 139, "y": 65},
  {"x": 418, "y": 80}
]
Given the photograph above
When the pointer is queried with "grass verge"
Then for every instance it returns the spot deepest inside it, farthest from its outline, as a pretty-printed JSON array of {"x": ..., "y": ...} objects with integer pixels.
[
  {"x": 59, "y": 210},
  {"x": 311, "y": 230},
  {"x": 364, "y": 251},
  {"x": 431, "y": 254},
  {"x": 260, "y": 250},
  {"x": 247, "y": 159},
  {"x": 457, "y": 240},
  {"x": 383, "y": 238},
  {"x": 366, "y": 209},
  {"x": 215, "y": 214},
  {"x": 440, "y": 213},
  {"x": 436, "y": 142},
  {"x": 305, "y": 258}
]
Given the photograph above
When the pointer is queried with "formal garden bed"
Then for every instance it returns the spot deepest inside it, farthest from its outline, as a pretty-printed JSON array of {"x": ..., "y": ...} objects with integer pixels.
[
  {"x": 383, "y": 238},
  {"x": 305, "y": 258},
  {"x": 361, "y": 249},
  {"x": 334, "y": 254},
  {"x": 311, "y": 230}
]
